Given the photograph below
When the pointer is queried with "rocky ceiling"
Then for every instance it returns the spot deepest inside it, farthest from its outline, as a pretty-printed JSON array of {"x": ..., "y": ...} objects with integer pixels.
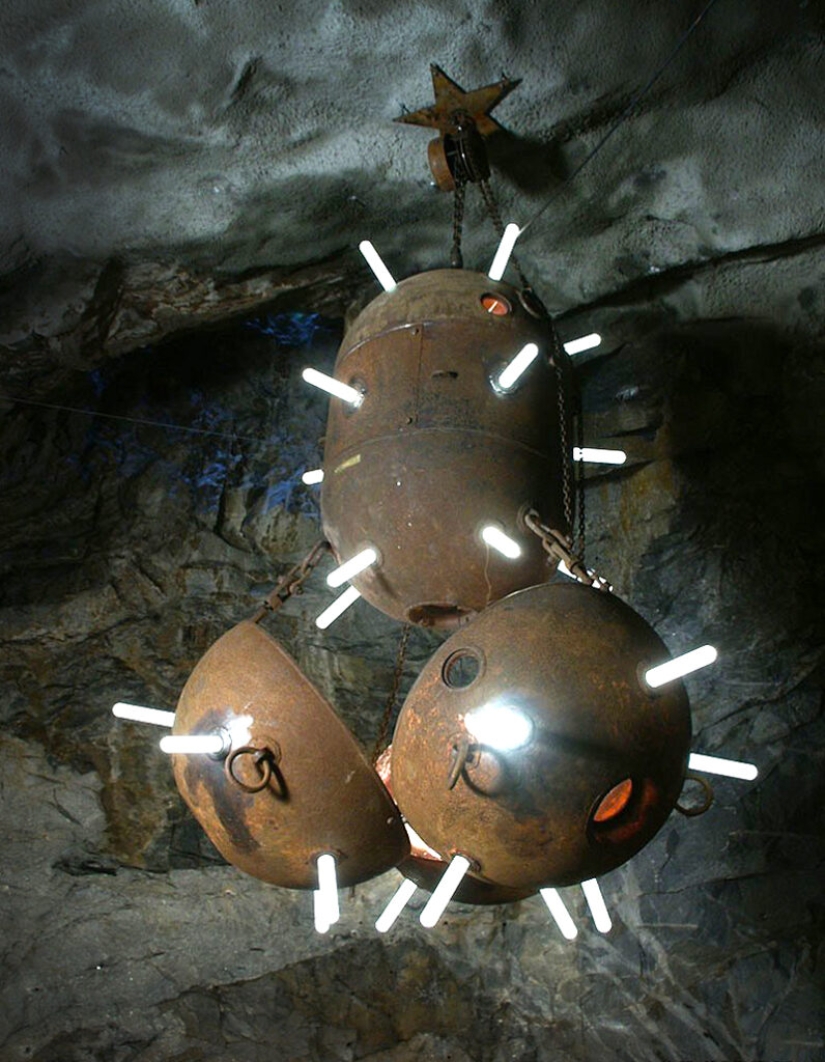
[{"x": 184, "y": 185}]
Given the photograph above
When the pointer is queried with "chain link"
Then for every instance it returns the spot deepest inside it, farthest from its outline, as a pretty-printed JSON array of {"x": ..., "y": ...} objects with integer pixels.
[
  {"x": 579, "y": 419},
  {"x": 293, "y": 581},
  {"x": 495, "y": 216},
  {"x": 564, "y": 442},
  {"x": 558, "y": 361},
  {"x": 456, "y": 257},
  {"x": 572, "y": 482},
  {"x": 398, "y": 674},
  {"x": 560, "y": 548}
]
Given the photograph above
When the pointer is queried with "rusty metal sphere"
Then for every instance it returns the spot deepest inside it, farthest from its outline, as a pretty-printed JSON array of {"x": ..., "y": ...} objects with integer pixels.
[
  {"x": 584, "y": 763},
  {"x": 434, "y": 451},
  {"x": 425, "y": 868},
  {"x": 294, "y": 784}
]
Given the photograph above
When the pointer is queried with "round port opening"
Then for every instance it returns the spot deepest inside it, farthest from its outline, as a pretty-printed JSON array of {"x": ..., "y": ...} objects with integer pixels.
[
  {"x": 496, "y": 305},
  {"x": 614, "y": 802},
  {"x": 461, "y": 669}
]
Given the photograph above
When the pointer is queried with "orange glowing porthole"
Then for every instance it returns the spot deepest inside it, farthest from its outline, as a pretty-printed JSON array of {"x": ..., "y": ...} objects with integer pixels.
[
  {"x": 497, "y": 305},
  {"x": 614, "y": 802}
]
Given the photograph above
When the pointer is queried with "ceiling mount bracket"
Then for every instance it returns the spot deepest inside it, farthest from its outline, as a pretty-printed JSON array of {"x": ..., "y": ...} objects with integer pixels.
[{"x": 458, "y": 155}]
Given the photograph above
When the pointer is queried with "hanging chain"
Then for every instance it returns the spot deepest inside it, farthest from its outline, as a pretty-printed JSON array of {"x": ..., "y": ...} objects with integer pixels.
[
  {"x": 564, "y": 441},
  {"x": 558, "y": 361},
  {"x": 495, "y": 216},
  {"x": 293, "y": 581},
  {"x": 476, "y": 170},
  {"x": 572, "y": 482},
  {"x": 578, "y": 415},
  {"x": 560, "y": 548},
  {"x": 398, "y": 674},
  {"x": 456, "y": 257}
]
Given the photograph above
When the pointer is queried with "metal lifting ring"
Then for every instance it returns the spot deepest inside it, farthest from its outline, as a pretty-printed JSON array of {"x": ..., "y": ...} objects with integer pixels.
[
  {"x": 264, "y": 759},
  {"x": 702, "y": 808}
]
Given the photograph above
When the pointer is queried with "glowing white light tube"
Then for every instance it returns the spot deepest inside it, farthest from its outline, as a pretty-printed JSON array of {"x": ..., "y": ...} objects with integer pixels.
[
  {"x": 444, "y": 891},
  {"x": 333, "y": 386},
  {"x": 520, "y": 363},
  {"x": 376, "y": 264},
  {"x": 339, "y": 605},
  {"x": 208, "y": 743},
  {"x": 496, "y": 538},
  {"x": 577, "y": 346},
  {"x": 680, "y": 665},
  {"x": 400, "y": 899},
  {"x": 352, "y": 567},
  {"x": 499, "y": 726},
  {"x": 313, "y": 475},
  {"x": 729, "y": 768},
  {"x": 319, "y": 913},
  {"x": 599, "y": 457},
  {"x": 325, "y": 897},
  {"x": 505, "y": 249},
  {"x": 555, "y": 905},
  {"x": 140, "y": 714},
  {"x": 595, "y": 901}
]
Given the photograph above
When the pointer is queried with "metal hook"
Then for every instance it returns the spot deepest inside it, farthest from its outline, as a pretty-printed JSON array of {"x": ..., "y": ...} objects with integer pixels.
[
  {"x": 460, "y": 753},
  {"x": 265, "y": 760},
  {"x": 465, "y": 753}
]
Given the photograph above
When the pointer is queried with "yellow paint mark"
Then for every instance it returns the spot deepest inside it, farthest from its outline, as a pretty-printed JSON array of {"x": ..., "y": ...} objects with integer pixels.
[{"x": 350, "y": 461}]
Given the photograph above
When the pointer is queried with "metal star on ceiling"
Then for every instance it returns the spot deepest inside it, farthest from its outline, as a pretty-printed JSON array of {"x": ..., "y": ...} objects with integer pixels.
[{"x": 452, "y": 100}]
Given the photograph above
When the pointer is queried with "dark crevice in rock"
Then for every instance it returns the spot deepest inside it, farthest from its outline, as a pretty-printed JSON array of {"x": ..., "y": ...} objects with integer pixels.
[
  {"x": 646, "y": 290},
  {"x": 79, "y": 866},
  {"x": 246, "y": 78}
]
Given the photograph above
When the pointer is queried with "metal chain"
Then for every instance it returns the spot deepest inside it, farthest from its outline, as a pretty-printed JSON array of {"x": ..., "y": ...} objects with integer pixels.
[
  {"x": 572, "y": 483},
  {"x": 558, "y": 360},
  {"x": 498, "y": 225},
  {"x": 293, "y": 581},
  {"x": 560, "y": 548},
  {"x": 398, "y": 674},
  {"x": 564, "y": 444},
  {"x": 579, "y": 418},
  {"x": 456, "y": 257}
]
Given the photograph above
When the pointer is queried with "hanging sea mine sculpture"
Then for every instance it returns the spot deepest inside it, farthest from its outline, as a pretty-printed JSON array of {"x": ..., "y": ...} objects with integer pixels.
[
  {"x": 532, "y": 745},
  {"x": 545, "y": 742},
  {"x": 444, "y": 442}
]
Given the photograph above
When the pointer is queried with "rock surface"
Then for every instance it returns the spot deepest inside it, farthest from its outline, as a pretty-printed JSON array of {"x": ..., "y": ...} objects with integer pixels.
[{"x": 182, "y": 190}]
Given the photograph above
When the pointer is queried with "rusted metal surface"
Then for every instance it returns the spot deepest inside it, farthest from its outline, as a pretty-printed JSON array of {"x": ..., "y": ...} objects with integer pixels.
[
  {"x": 427, "y": 872},
  {"x": 425, "y": 867},
  {"x": 452, "y": 103},
  {"x": 440, "y": 165},
  {"x": 433, "y": 453},
  {"x": 320, "y": 793},
  {"x": 566, "y": 657}
]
